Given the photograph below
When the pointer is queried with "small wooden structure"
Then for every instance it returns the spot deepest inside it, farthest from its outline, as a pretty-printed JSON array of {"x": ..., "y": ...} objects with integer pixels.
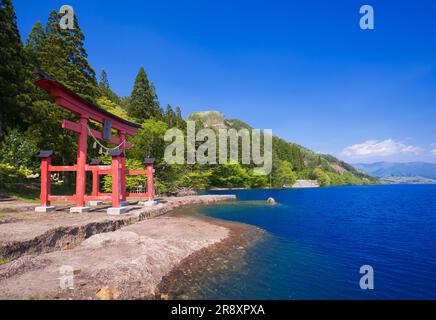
[{"x": 87, "y": 111}]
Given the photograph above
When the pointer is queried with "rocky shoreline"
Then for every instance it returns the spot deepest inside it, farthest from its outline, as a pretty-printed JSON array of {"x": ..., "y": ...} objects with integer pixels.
[
  {"x": 160, "y": 258},
  {"x": 189, "y": 280}
]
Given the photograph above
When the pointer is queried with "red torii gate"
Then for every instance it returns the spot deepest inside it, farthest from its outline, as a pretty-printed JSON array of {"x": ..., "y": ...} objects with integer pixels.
[{"x": 86, "y": 111}]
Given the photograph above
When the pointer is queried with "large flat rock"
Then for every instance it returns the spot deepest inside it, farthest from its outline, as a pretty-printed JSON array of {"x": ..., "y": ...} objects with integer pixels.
[
  {"x": 125, "y": 264},
  {"x": 35, "y": 233}
]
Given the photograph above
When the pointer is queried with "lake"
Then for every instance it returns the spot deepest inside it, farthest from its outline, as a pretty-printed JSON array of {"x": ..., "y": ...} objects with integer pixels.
[{"x": 319, "y": 239}]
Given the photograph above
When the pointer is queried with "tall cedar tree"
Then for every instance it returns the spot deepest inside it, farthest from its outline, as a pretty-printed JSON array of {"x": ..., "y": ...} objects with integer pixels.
[
  {"x": 157, "y": 110},
  {"x": 105, "y": 89},
  {"x": 180, "y": 122},
  {"x": 64, "y": 57},
  {"x": 12, "y": 69},
  {"x": 34, "y": 44},
  {"x": 143, "y": 100},
  {"x": 170, "y": 116},
  {"x": 104, "y": 82}
]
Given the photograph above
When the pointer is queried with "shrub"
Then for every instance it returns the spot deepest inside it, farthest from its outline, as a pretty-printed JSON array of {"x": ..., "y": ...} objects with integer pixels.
[{"x": 19, "y": 150}]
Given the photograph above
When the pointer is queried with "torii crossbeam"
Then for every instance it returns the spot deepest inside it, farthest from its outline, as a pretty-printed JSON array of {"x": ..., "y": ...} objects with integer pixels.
[{"x": 87, "y": 111}]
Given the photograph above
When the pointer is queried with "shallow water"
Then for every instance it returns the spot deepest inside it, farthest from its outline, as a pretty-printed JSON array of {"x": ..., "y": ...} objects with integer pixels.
[{"x": 321, "y": 237}]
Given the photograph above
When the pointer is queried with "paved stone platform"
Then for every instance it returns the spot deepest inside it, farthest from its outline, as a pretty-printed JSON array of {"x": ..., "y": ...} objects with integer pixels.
[{"x": 29, "y": 232}]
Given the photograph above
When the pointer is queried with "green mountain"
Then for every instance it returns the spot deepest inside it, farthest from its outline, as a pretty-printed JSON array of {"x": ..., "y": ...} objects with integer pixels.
[{"x": 306, "y": 163}]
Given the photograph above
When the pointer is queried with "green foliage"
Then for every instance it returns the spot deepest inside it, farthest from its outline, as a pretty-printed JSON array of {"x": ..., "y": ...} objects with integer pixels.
[
  {"x": 105, "y": 90},
  {"x": 104, "y": 82},
  {"x": 11, "y": 176},
  {"x": 231, "y": 175},
  {"x": 64, "y": 57},
  {"x": 170, "y": 176},
  {"x": 149, "y": 140},
  {"x": 322, "y": 177},
  {"x": 113, "y": 108},
  {"x": 197, "y": 179},
  {"x": 289, "y": 152},
  {"x": 143, "y": 102},
  {"x": 336, "y": 179},
  {"x": 12, "y": 69},
  {"x": 35, "y": 43},
  {"x": 19, "y": 150},
  {"x": 180, "y": 122},
  {"x": 132, "y": 181},
  {"x": 305, "y": 174},
  {"x": 161, "y": 187},
  {"x": 170, "y": 117},
  {"x": 258, "y": 181},
  {"x": 283, "y": 175}
]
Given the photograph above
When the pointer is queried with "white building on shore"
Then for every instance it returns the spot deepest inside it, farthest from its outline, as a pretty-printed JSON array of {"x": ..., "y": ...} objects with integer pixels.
[{"x": 306, "y": 184}]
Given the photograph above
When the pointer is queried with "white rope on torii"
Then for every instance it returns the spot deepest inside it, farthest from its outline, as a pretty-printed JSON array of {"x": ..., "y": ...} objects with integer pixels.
[{"x": 96, "y": 141}]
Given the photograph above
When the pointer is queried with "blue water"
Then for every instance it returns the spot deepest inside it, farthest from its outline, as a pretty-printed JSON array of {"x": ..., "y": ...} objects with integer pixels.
[{"x": 321, "y": 237}]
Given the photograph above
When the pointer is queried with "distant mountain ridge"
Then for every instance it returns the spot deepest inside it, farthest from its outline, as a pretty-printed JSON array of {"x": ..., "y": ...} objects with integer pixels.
[{"x": 396, "y": 169}]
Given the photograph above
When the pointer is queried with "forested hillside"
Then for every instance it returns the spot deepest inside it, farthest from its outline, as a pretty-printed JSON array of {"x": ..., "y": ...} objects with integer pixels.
[
  {"x": 31, "y": 121},
  {"x": 292, "y": 161}
]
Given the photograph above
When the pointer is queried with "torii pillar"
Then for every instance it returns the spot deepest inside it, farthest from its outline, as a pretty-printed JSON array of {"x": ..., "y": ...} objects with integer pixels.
[{"x": 82, "y": 146}]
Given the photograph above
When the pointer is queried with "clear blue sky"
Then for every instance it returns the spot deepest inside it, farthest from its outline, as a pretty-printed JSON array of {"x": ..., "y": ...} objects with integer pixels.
[{"x": 302, "y": 68}]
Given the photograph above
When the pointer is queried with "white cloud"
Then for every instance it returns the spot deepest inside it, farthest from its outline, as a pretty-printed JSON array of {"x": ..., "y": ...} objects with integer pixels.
[
  {"x": 433, "y": 152},
  {"x": 372, "y": 148}
]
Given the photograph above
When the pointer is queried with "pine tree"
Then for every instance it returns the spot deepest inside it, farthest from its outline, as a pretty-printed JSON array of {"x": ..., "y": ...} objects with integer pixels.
[
  {"x": 170, "y": 116},
  {"x": 180, "y": 122},
  {"x": 33, "y": 49},
  {"x": 157, "y": 110},
  {"x": 297, "y": 158},
  {"x": 105, "y": 90},
  {"x": 34, "y": 43},
  {"x": 83, "y": 77},
  {"x": 143, "y": 99},
  {"x": 12, "y": 68},
  {"x": 64, "y": 57},
  {"x": 104, "y": 82},
  {"x": 52, "y": 55}
]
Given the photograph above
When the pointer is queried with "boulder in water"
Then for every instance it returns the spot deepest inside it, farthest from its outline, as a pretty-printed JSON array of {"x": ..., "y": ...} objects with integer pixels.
[{"x": 271, "y": 201}]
